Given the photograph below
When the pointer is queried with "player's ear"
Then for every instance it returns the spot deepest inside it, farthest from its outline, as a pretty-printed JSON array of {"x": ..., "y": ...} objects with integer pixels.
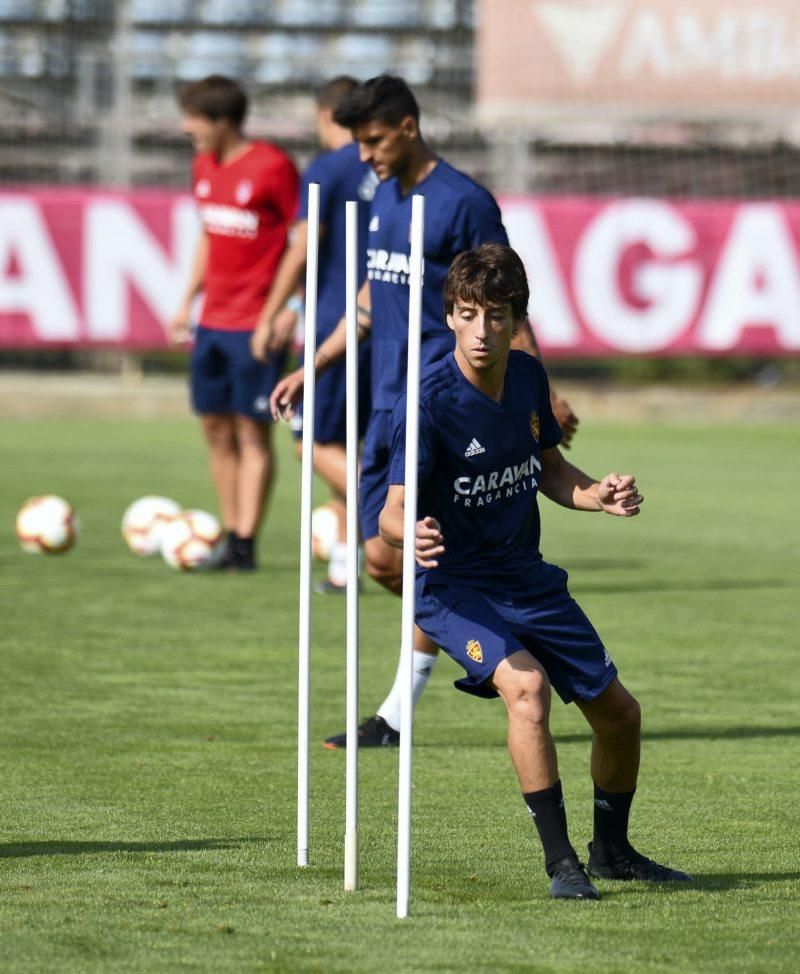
[
  {"x": 409, "y": 128},
  {"x": 449, "y": 320}
]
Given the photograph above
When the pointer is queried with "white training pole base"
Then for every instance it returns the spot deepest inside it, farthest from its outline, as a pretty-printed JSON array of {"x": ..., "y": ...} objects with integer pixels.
[
  {"x": 351, "y": 861},
  {"x": 302, "y": 858}
]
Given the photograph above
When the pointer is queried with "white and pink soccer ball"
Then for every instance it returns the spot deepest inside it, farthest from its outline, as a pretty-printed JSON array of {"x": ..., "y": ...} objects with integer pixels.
[
  {"x": 193, "y": 540},
  {"x": 46, "y": 525},
  {"x": 144, "y": 522}
]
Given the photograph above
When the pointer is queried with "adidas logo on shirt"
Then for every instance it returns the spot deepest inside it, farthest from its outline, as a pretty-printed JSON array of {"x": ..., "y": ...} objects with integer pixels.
[
  {"x": 374, "y": 223},
  {"x": 474, "y": 449}
]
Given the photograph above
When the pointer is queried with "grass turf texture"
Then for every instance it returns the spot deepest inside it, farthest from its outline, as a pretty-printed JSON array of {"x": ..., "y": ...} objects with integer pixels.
[{"x": 148, "y": 736}]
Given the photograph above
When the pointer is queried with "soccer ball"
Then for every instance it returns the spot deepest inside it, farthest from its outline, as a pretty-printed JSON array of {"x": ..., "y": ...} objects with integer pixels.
[
  {"x": 324, "y": 531},
  {"x": 144, "y": 521},
  {"x": 193, "y": 540},
  {"x": 46, "y": 525}
]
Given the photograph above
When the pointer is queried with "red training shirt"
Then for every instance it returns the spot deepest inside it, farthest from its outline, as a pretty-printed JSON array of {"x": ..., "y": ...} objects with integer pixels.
[{"x": 246, "y": 206}]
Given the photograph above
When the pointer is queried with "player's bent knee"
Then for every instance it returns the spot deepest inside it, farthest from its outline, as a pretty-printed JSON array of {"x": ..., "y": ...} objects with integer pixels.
[
  {"x": 624, "y": 723},
  {"x": 527, "y": 695},
  {"x": 629, "y": 719},
  {"x": 383, "y": 564},
  {"x": 384, "y": 573}
]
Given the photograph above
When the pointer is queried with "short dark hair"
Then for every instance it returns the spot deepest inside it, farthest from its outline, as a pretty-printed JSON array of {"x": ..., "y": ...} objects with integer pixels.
[
  {"x": 334, "y": 92},
  {"x": 215, "y": 97},
  {"x": 386, "y": 98},
  {"x": 489, "y": 275}
]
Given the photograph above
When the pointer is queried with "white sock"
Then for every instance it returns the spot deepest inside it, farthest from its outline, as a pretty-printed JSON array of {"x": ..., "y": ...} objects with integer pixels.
[
  {"x": 390, "y": 708},
  {"x": 337, "y": 564}
]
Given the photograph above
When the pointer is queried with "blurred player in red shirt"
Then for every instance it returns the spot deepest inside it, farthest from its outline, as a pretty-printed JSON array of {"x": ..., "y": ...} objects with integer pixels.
[{"x": 246, "y": 193}]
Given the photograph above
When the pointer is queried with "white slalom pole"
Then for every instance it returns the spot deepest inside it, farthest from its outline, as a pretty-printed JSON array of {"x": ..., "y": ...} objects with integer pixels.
[
  {"x": 307, "y": 483},
  {"x": 351, "y": 757},
  {"x": 409, "y": 563}
]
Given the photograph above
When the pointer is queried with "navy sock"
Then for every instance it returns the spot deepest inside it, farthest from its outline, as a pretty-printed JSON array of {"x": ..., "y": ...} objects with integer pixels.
[
  {"x": 547, "y": 809},
  {"x": 611, "y": 812}
]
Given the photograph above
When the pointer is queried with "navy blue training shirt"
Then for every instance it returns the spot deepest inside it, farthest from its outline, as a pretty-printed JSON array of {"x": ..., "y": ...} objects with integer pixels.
[
  {"x": 341, "y": 176},
  {"x": 479, "y": 469},
  {"x": 459, "y": 215}
]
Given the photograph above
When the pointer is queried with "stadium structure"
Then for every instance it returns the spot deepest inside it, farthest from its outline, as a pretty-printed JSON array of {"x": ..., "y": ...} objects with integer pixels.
[{"x": 607, "y": 97}]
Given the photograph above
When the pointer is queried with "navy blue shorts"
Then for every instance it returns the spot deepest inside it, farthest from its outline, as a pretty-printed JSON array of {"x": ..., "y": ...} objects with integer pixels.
[
  {"x": 373, "y": 485},
  {"x": 330, "y": 404},
  {"x": 225, "y": 378},
  {"x": 479, "y": 629}
]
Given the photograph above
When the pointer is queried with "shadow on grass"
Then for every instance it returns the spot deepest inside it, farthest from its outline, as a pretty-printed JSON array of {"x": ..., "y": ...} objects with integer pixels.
[
  {"x": 686, "y": 585},
  {"x": 14, "y": 850},
  {"x": 721, "y": 882},
  {"x": 696, "y": 734}
]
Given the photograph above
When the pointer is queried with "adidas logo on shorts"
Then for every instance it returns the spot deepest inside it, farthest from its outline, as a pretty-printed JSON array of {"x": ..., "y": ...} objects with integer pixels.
[{"x": 474, "y": 449}]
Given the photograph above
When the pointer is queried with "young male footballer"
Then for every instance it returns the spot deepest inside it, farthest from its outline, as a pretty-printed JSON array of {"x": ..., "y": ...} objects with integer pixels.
[{"x": 488, "y": 444}]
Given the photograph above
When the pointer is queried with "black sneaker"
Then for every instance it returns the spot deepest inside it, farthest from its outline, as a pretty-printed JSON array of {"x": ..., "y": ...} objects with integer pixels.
[
  {"x": 374, "y": 732},
  {"x": 243, "y": 556},
  {"x": 570, "y": 881},
  {"x": 327, "y": 587},
  {"x": 633, "y": 865}
]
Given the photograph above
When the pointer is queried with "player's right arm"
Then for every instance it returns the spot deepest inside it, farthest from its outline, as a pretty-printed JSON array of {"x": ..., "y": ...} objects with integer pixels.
[
  {"x": 429, "y": 541},
  {"x": 178, "y": 327},
  {"x": 289, "y": 391}
]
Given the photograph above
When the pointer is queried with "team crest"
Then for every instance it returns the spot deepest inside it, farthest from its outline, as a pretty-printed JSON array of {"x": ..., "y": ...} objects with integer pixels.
[
  {"x": 534, "y": 423},
  {"x": 203, "y": 188},
  {"x": 474, "y": 650},
  {"x": 244, "y": 192}
]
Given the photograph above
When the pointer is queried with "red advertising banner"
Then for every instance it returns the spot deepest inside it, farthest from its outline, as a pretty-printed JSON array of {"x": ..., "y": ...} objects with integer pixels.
[
  {"x": 609, "y": 277},
  {"x": 654, "y": 277},
  {"x": 82, "y": 267}
]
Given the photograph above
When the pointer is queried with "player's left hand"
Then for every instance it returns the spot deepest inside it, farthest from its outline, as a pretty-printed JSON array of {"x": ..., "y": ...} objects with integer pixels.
[
  {"x": 429, "y": 542},
  {"x": 619, "y": 495},
  {"x": 260, "y": 341},
  {"x": 282, "y": 330},
  {"x": 565, "y": 418}
]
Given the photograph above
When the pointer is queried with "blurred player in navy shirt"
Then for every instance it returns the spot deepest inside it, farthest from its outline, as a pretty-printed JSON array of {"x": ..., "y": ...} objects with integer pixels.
[
  {"x": 488, "y": 443},
  {"x": 341, "y": 176},
  {"x": 459, "y": 214}
]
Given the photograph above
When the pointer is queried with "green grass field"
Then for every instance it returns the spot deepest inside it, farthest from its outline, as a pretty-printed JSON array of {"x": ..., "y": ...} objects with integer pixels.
[{"x": 148, "y": 734}]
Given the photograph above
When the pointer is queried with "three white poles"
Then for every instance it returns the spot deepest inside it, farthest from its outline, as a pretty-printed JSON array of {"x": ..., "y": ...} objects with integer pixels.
[{"x": 409, "y": 533}]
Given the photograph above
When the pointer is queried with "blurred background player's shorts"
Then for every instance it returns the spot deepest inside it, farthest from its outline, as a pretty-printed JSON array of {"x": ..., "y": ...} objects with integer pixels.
[{"x": 225, "y": 378}]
